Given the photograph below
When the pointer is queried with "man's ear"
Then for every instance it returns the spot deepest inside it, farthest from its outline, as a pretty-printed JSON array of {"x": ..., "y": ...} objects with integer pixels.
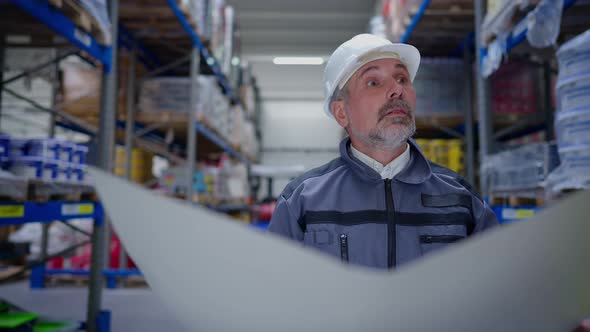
[{"x": 337, "y": 108}]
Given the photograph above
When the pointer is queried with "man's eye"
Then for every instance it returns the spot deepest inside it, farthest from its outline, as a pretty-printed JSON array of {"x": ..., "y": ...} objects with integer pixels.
[
  {"x": 372, "y": 83},
  {"x": 402, "y": 80}
]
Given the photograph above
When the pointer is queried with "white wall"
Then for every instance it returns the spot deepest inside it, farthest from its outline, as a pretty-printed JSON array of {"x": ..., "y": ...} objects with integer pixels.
[
  {"x": 294, "y": 127},
  {"x": 297, "y": 132}
]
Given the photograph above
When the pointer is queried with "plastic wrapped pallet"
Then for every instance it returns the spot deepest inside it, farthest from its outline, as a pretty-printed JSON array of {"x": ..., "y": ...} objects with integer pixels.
[
  {"x": 172, "y": 94},
  {"x": 98, "y": 10},
  {"x": 520, "y": 169}
]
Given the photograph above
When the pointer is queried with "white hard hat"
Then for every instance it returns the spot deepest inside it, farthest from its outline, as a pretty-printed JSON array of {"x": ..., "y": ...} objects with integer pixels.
[{"x": 358, "y": 51}]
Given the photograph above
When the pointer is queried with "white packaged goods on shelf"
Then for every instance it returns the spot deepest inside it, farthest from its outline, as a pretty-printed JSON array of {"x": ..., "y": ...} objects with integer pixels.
[
  {"x": 522, "y": 168},
  {"x": 33, "y": 167},
  {"x": 66, "y": 151},
  {"x": 573, "y": 92},
  {"x": 573, "y": 127},
  {"x": 63, "y": 171},
  {"x": 439, "y": 87},
  {"x": 574, "y": 171},
  {"x": 544, "y": 23},
  {"x": 499, "y": 19},
  {"x": 79, "y": 154},
  {"x": 98, "y": 10},
  {"x": 77, "y": 173},
  {"x": 38, "y": 147},
  {"x": 172, "y": 94},
  {"x": 575, "y": 158},
  {"x": 574, "y": 56},
  {"x": 237, "y": 120}
]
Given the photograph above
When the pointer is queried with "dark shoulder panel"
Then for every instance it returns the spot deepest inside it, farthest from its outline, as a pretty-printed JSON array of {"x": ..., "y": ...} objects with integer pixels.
[{"x": 319, "y": 171}]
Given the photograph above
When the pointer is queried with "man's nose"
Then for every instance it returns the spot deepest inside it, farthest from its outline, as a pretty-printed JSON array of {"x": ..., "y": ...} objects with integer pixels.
[{"x": 395, "y": 91}]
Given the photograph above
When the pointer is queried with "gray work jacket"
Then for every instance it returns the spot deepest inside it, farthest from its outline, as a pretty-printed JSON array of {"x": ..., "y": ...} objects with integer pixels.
[{"x": 345, "y": 209}]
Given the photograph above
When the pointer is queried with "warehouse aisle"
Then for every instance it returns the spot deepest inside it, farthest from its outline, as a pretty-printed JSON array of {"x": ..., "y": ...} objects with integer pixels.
[{"x": 135, "y": 309}]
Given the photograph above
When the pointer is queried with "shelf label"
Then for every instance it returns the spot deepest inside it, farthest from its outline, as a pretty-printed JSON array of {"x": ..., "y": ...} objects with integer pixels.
[
  {"x": 77, "y": 209},
  {"x": 12, "y": 211},
  {"x": 511, "y": 214}
]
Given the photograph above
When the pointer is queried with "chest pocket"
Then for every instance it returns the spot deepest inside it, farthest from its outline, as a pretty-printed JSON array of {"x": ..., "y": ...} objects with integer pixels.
[{"x": 439, "y": 230}]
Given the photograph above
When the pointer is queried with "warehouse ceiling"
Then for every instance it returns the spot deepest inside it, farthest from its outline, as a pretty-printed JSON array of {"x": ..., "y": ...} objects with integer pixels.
[
  {"x": 302, "y": 27},
  {"x": 272, "y": 28}
]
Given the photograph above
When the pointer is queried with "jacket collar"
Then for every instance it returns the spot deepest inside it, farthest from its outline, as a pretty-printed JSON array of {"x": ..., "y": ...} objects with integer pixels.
[{"x": 417, "y": 171}]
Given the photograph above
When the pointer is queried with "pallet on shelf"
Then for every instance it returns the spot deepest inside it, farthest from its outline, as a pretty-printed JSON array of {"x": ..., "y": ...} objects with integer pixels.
[
  {"x": 516, "y": 199},
  {"x": 44, "y": 191}
]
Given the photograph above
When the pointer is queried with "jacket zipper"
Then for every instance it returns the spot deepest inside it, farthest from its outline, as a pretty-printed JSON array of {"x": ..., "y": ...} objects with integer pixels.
[
  {"x": 440, "y": 238},
  {"x": 391, "y": 241},
  {"x": 344, "y": 247}
]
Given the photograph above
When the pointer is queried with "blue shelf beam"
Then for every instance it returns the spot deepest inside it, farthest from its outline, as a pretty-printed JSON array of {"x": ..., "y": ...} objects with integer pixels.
[
  {"x": 58, "y": 22},
  {"x": 127, "y": 41},
  {"x": 202, "y": 49},
  {"x": 21, "y": 213},
  {"x": 519, "y": 31},
  {"x": 415, "y": 19}
]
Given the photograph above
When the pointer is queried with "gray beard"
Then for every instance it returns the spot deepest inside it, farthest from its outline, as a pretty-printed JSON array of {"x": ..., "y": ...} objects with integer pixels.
[{"x": 384, "y": 138}]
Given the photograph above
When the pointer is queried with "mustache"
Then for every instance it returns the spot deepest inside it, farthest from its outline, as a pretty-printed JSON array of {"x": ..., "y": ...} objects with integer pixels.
[{"x": 394, "y": 103}]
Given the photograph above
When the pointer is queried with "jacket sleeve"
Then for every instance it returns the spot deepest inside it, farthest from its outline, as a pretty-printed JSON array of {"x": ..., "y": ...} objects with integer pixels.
[
  {"x": 485, "y": 219},
  {"x": 284, "y": 222}
]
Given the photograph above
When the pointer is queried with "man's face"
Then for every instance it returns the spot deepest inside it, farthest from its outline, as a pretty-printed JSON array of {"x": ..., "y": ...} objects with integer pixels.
[{"x": 379, "y": 109}]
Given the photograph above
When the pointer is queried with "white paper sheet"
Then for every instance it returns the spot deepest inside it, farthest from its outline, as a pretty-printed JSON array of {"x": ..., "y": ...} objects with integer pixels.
[{"x": 219, "y": 275}]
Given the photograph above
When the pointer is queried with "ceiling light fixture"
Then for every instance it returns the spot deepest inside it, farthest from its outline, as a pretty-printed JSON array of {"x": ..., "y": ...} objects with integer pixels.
[{"x": 303, "y": 60}]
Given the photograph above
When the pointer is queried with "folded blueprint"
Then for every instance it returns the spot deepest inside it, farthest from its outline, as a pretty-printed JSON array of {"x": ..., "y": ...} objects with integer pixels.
[{"x": 220, "y": 275}]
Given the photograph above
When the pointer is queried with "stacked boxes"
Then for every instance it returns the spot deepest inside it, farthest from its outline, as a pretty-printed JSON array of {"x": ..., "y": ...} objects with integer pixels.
[
  {"x": 141, "y": 164},
  {"x": 44, "y": 159},
  {"x": 445, "y": 152},
  {"x": 572, "y": 121}
]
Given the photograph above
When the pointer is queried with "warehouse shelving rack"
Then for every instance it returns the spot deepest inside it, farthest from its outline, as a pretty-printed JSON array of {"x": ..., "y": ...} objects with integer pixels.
[
  {"x": 42, "y": 12},
  {"x": 198, "y": 134},
  {"x": 143, "y": 135},
  {"x": 488, "y": 139},
  {"x": 455, "y": 37},
  {"x": 448, "y": 41}
]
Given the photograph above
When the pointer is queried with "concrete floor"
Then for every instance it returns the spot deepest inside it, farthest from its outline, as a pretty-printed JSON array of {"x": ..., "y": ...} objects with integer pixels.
[{"x": 132, "y": 309}]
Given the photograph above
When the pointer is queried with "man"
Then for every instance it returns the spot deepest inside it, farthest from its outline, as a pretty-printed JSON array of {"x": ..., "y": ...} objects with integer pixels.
[{"x": 382, "y": 203}]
